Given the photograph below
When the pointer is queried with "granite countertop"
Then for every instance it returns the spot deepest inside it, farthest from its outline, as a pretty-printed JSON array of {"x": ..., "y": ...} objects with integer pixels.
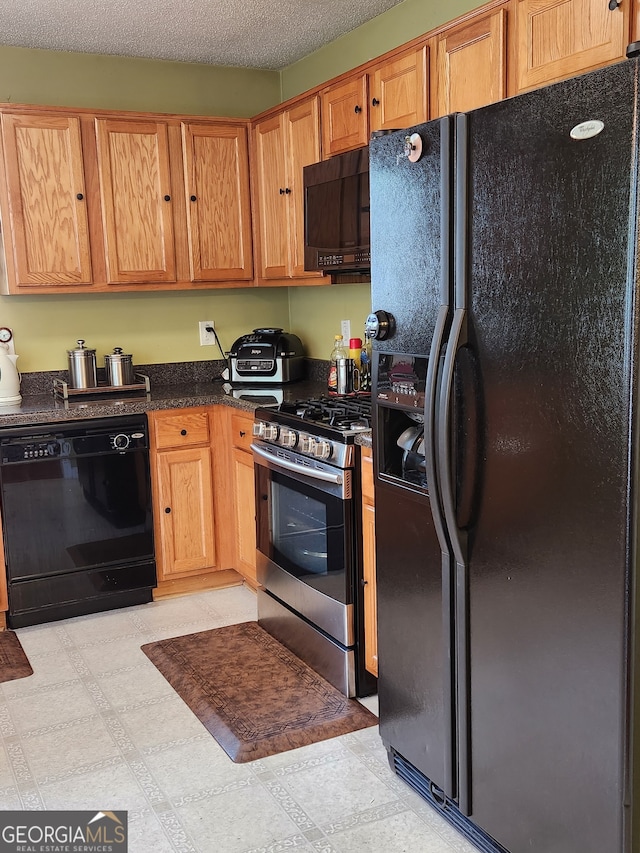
[
  {"x": 46, "y": 408},
  {"x": 172, "y": 387}
]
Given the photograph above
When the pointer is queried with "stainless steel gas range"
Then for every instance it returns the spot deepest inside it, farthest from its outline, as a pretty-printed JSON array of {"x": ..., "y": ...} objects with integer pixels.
[{"x": 309, "y": 535}]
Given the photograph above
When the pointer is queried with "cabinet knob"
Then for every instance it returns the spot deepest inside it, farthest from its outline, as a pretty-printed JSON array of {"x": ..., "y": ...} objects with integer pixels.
[
  {"x": 167, "y": 198},
  {"x": 193, "y": 198},
  {"x": 167, "y": 509},
  {"x": 613, "y": 4},
  {"x": 287, "y": 191},
  {"x": 357, "y": 109},
  {"x": 183, "y": 432},
  {"x": 364, "y": 582},
  {"x": 282, "y": 192},
  {"x": 242, "y": 433},
  {"x": 375, "y": 102},
  {"x": 79, "y": 196}
]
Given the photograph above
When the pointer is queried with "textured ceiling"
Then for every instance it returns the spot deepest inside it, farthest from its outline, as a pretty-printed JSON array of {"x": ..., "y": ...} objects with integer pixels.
[{"x": 251, "y": 33}]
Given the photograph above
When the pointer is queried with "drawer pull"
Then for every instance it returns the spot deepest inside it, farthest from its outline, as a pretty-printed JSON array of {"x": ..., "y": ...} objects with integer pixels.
[
  {"x": 183, "y": 432},
  {"x": 167, "y": 509}
]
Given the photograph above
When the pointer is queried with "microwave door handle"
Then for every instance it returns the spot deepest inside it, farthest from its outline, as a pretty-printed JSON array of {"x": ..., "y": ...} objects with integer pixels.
[{"x": 286, "y": 464}]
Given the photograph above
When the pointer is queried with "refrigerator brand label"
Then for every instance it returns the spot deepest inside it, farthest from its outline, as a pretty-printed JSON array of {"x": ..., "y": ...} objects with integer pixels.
[{"x": 587, "y": 129}]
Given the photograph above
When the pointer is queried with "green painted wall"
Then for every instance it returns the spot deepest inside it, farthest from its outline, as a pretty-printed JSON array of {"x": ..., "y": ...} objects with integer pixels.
[
  {"x": 159, "y": 327},
  {"x": 154, "y": 327},
  {"x": 316, "y": 312},
  {"x": 328, "y": 305},
  {"x": 57, "y": 78},
  {"x": 391, "y": 29}
]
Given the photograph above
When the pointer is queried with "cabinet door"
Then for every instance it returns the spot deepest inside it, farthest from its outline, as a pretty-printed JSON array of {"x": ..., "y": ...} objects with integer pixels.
[
  {"x": 471, "y": 64},
  {"x": 185, "y": 511},
  {"x": 369, "y": 564},
  {"x": 272, "y": 198},
  {"x": 135, "y": 183},
  {"x": 46, "y": 200},
  {"x": 245, "y": 512},
  {"x": 302, "y": 126},
  {"x": 216, "y": 168},
  {"x": 398, "y": 94},
  {"x": 345, "y": 120},
  {"x": 369, "y": 577},
  {"x": 561, "y": 38}
]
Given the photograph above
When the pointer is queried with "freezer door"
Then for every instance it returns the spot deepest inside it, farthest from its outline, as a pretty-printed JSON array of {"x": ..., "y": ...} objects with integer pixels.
[
  {"x": 409, "y": 258},
  {"x": 551, "y": 291},
  {"x": 414, "y": 641}
]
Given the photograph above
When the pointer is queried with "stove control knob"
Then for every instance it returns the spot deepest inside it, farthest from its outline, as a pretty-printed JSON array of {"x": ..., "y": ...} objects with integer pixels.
[
  {"x": 270, "y": 432},
  {"x": 322, "y": 450},
  {"x": 258, "y": 429},
  {"x": 288, "y": 437},
  {"x": 306, "y": 443}
]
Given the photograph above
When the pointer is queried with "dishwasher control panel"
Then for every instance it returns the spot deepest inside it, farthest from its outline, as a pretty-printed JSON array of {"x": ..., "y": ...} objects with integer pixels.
[{"x": 70, "y": 442}]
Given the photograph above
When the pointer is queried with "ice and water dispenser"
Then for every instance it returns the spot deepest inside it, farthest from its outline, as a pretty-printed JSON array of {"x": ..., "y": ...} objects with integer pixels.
[{"x": 399, "y": 396}]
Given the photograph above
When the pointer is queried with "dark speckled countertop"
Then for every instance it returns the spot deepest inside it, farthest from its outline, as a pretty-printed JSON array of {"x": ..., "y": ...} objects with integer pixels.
[{"x": 173, "y": 386}]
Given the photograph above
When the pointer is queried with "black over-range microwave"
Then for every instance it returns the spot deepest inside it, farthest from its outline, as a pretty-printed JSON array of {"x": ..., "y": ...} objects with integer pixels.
[{"x": 336, "y": 213}]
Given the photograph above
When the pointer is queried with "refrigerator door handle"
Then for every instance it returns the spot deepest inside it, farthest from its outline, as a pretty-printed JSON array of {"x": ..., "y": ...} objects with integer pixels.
[
  {"x": 430, "y": 425},
  {"x": 457, "y": 339}
]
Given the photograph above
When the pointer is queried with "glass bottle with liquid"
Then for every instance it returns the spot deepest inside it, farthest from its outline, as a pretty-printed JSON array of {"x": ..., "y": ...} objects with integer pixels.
[{"x": 339, "y": 351}]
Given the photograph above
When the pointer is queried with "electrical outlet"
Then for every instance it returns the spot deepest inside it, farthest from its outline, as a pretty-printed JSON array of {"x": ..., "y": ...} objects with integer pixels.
[
  {"x": 207, "y": 339},
  {"x": 345, "y": 328}
]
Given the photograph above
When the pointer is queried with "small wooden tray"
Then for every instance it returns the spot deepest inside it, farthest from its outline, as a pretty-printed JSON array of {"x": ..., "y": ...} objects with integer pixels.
[{"x": 64, "y": 391}]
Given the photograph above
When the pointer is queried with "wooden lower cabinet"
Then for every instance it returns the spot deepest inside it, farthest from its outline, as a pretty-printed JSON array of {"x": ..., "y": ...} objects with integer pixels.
[
  {"x": 244, "y": 503},
  {"x": 369, "y": 564},
  {"x": 183, "y": 499}
]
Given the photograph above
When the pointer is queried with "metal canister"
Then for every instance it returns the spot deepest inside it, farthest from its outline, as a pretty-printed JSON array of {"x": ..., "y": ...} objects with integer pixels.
[
  {"x": 119, "y": 368},
  {"x": 82, "y": 367},
  {"x": 344, "y": 370}
]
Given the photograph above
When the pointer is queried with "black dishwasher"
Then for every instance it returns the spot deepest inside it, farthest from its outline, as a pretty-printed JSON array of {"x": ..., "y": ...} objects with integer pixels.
[{"x": 77, "y": 518}]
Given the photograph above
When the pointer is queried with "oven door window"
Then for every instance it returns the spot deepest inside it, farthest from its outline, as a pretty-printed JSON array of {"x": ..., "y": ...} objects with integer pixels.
[{"x": 309, "y": 535}]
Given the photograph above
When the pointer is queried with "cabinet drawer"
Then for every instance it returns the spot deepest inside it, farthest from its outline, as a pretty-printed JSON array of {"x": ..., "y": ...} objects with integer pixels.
[
  {"x": 181, "y": 429},
  {"x": 367, "y": 474},
  {"x": 241, "y": 427}
]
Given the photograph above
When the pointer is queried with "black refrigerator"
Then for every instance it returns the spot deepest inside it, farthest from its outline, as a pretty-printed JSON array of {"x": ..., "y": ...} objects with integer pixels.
[{"x": 505, "y": 281}]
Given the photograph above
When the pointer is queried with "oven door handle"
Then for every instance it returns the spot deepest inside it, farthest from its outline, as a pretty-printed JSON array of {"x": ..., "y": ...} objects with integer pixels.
[{"x": 312, "y": 473}]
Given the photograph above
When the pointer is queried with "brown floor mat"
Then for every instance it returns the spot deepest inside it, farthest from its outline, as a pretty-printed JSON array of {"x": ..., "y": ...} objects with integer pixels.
[
  {"x": 13, "y": 661},
  {"x": 252, "y": 694}
]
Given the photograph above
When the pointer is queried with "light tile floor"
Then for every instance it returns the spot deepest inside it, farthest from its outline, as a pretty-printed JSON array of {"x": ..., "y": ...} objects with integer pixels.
[{"x": 97, "y": 727}]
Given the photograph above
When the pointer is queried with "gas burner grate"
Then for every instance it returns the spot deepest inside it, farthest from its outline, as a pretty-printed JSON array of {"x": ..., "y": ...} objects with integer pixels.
[{"x": 340, "y": 413}]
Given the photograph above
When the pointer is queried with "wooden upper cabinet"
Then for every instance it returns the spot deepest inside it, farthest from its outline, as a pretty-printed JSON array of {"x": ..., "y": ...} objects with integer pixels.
[
  {"x": 471, "y": 64},
  {"x": 271, "y": 187},
  {"x": 345, "y": 121},
  {"x": 216, "y": 169},
  {"x": 398, "y": 91},
  {"x": 302, "y": 137},
  {"x": 557, "y": 39},
  {"x": 135, "y": 185},
  {"x": 45, "y": 206},
  {"x": 283, "y": 145}
]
